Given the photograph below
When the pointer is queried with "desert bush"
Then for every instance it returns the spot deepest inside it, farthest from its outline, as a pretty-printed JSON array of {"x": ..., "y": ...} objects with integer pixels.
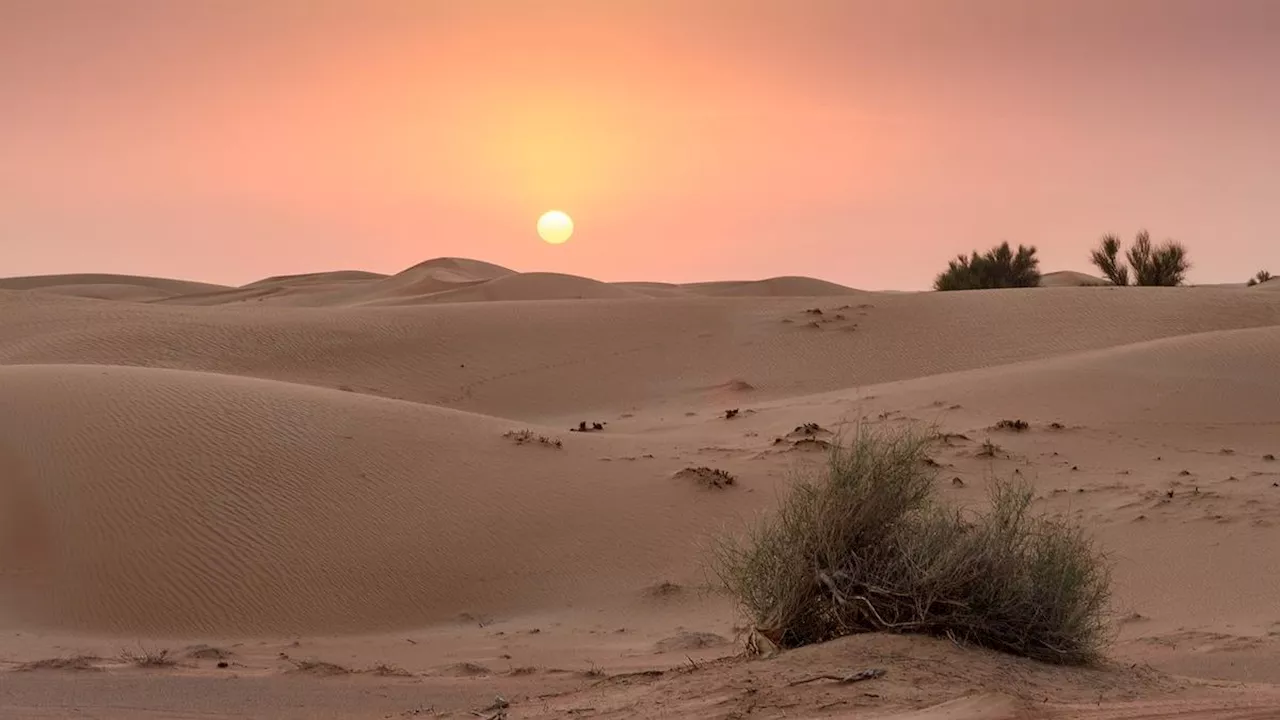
[
  {"x": 1163, "y": 265},
  {"x": 999, "y": 267},
  {"x": 1107, "y": 259},
  {"x": 1261, "y": 277},
  {"x": 869, "y": 547},
  {"x": 144, "y": 658}
]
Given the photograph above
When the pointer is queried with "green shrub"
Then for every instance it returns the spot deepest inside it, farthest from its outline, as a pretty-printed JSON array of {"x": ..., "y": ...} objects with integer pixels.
[
  {"x": 999, "y": 267},
  {"x": 1261, "y": 277},
  {"x": 1163, "y": 265},
  {"x": 869, "y": 547}
]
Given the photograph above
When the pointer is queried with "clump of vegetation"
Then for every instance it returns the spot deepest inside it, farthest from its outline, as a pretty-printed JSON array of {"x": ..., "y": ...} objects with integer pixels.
[
  {"x": 1014, "y": 425},
  {"x": 583, "y": 426},
  {"x": 387, "y": 670},
  {"x": 999, "y": 267},
  {"x": 526, "y": 437},
  {"x": 1261, "y": 277},
  {"x": 145, "y": 658},
  {"x": 318, "y": 667},
  {"x": 731, "y": 414},
  {"x": 709, "y": 477},
  {"x": 1151, "y": 265},
  {"x": 77, "y": 662},
  {"x": 870, "y": 548}
]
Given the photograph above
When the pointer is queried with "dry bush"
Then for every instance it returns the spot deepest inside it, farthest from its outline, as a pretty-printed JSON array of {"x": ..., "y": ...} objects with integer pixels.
[
  {"x": 527, "y": 437},
  {"x": 870, "y": 547},
  {"x": 999, "y": 267},
  {"x": 388, "y": 670},
  {"x": 145, "y": 658},
  {"x": 77, "y": 662},
  {"x": 318, "y": 667}
]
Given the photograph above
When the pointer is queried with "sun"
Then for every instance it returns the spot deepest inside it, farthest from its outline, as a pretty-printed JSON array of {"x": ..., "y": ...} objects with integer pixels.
[{"x": 555, "y": 227}]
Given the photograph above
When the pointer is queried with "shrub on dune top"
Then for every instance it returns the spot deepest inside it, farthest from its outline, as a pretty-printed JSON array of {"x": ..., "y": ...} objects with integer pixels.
[
  {"x": 999, "y": 267},
  {"x": 1261, "y": 277},
  {"x": 1159, "y": 265},
  {"x": 870, "y": 548}
]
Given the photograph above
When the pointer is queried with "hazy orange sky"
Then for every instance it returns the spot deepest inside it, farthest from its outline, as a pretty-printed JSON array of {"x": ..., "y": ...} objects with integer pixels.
[{"x": 865, "y": 142}]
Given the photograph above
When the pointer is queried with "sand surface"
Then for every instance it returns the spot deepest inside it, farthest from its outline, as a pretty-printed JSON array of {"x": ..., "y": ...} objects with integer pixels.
[{"x": 318, "y": 480}]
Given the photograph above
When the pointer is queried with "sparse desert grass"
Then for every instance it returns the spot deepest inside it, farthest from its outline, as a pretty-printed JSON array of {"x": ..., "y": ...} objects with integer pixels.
[
  {"x": 709, "y": 477},
  {"x": 388, "y": 670},
  {"x": 529, "y": 437},
  {"x": 75, "y": 662},
  {"x": 145, "y": 658},
  {"x": 208, "y": 652},
  {"x": 1014, "y": 425},
  {"x": 869, "y": 547},
  {"x": 318, "y": 667}
]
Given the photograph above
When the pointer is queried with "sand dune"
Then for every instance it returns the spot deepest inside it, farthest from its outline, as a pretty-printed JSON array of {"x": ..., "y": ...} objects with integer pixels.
[
  {"x": 324, "y": 455},
  {"x": 572, "y": 355},
  {"x": 108, "y": 286},
  {"x": 525, "y": 286},
  {"x": 772, "y": 287},
  {"x": 160, "y": 501},
  {"x": 324, "y": 278},
  {"x": 1070, "y": 278}
]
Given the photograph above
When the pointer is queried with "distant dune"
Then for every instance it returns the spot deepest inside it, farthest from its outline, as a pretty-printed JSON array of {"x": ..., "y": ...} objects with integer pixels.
[
  {"x": 534, "y": 286},
  {"x": 336, "y": 276},
  {"x": 108, "y": 286},
  {"x": 772, "y": 287},
  {"x": 1071, "y": 278}
]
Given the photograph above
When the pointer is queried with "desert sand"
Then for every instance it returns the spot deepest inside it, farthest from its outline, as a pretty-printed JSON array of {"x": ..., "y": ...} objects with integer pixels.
[{"x": 320, "y": 482}]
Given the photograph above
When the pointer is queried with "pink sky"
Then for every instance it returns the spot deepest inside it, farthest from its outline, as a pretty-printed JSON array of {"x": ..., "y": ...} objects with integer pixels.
[{"x": 865, "y": 142}]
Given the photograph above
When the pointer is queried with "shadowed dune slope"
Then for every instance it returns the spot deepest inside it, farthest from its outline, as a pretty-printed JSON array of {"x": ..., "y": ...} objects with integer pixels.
[
  {"x": 571, "y": 355},
  {"x": 161, "y": 501}
]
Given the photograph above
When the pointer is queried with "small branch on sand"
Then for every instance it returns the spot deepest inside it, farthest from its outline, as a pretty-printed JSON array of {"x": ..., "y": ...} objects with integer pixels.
[
  {"x": 859, "y": 676},
  {"x": 498, "y": 708}
]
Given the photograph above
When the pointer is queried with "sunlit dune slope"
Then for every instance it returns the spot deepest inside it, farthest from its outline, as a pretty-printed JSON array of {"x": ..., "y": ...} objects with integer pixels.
[{"x": 545, "y": 360}]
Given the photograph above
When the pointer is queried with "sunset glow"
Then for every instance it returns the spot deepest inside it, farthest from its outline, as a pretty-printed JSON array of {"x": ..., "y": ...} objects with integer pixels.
[{"x": 841, "y": 138}]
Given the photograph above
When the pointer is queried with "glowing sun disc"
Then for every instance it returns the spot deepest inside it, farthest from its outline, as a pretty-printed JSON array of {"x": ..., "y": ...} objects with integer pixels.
[{"x": 555, "y": 227}]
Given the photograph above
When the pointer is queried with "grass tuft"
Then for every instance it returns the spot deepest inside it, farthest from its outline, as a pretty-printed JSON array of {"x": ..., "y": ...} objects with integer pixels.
[
  {"x": 870, "y": 548},
  {"x": 145, "y": 658}
]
